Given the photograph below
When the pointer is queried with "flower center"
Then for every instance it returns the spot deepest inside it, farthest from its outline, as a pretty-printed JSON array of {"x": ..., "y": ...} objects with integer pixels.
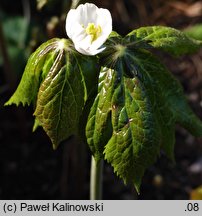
[{"x": 93, "y": 31}]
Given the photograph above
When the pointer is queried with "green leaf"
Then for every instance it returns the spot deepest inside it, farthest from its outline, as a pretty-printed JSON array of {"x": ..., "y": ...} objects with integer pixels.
[
  {"x": 167, "y": 97},
  {"x": 194, "y": 31},
  {"x": 149, "y": 72},
  {"x": 167, "y": 39},
  {"x": 90, "y": 72},
  {"x": 60, "y": 99},
  {"x": 27, "y": 90},
  {"x": 122, "y": 122},
  {"x": 36, "y": 125},
  {"x": 58, "y": 81},
  {"x": 62, "y": 96},
  {"x": 173, "y": 94},
  {"x": 145, "y": 103},
  {"x": 98, "y": 128},
  {"x": 113, "y": 34},
  {"x": 134, "y": 144}
]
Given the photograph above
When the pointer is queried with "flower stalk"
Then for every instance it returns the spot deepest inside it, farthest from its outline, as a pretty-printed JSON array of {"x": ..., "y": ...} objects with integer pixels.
[{"x": 96, "y": 179}]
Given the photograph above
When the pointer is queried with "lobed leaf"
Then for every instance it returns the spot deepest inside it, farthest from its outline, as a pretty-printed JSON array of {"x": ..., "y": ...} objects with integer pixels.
[
  {"x": 167, "y": 39},
  {"x": 26, "y": 92},
  {"x": 60, "y": 99},
  {"x": 58, "y": 81},
  {"x": 173, "y": 95},
  {"x": 134, "y": 144},
  {"x": 98, "y": 128},
  {"x": 168, "y": 99},
  {"x": 144, "y": 103},
  {"x": 63, "y": 94},
  {"x": 122, "y": 121}
]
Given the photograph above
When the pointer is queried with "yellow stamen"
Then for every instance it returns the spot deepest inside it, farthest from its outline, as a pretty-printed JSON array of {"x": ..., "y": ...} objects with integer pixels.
[{"x": 93, "y": 31}]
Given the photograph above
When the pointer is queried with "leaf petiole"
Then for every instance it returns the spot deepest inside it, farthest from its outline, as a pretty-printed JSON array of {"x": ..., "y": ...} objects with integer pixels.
[{"x": 96, "y": 179}]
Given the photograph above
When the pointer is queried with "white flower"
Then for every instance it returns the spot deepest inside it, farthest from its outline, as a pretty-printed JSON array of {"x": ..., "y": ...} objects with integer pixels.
[{"x": 88, "y": 27}]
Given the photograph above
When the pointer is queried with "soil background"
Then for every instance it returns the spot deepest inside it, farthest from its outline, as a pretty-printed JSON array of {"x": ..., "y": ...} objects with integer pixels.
[{"x": 31, "y": 169}]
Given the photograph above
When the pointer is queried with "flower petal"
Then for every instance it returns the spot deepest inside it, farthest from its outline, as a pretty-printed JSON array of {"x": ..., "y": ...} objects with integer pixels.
[
  {"x": 88, "y": 51},
  {"x": 78, "y": 20},
  {"x": 104, "y": 18}
]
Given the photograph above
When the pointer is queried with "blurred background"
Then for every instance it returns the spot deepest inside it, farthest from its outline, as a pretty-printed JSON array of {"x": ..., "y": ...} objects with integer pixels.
[{"x": 29, "y": 167}]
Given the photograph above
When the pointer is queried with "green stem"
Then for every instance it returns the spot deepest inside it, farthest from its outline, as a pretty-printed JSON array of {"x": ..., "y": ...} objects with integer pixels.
[{"x": 96, "y": 179}]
